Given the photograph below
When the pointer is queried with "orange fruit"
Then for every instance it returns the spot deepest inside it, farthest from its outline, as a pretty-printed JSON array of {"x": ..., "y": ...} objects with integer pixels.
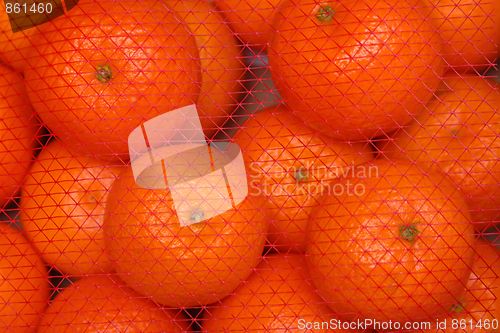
[
  {"x": 62, "y": 209},
  {"x": 104, "y": 304},
  {"x": 396, "y": 245},
  {"x": 289, "y": 163},
  {"x": 470, "y": 31},
  {"x": 480, "y": 305},
  {"x": 24, "y": 284},
  {"x": 18, "y": 130},
  {"x": 180, "y": 266},
  {"x": 250, "y": 20},
  {"x": 458, "y": 133},
  {"x": 221, "y": 68},
  {"x": 117, "y": 65},
  {"x": 277, "y": 297},
  {"x": 355, "y": 69}
]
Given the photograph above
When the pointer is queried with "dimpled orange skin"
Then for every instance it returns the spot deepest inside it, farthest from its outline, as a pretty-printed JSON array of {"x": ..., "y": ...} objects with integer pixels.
[
  {"x": 275, "y": 145},
  {"x": 362, "y": 72},
  {"x": 62, "y": 209},
  {"x": 458, "y": 133},
  {"x": 398, "y": 246},
  {"x": 470, "y": 31},
  {"x": 105, "y": 304},
  {"x": 18, "y": 130},
  {"x": 147, "y": 50},
  {"x": 221, "y": 67},
  {"x": 273, "y": 299},
  {"x": 24, "y": 284},
  {"x": 180, "y": 265},
  {"x": 480, "y": 305},
  {"x": 251, "y": 20}
]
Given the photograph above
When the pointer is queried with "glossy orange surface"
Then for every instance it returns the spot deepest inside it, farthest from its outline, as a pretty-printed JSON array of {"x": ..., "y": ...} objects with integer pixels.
[
  {"x": 221, "y": 68},
  {"x": 94, "y": 80},
  {"x": 18, "y": 131},
  {"x": 24, "y": 284},
  {"x": 479, "y": 307},
  {"x": 399, "y": 247},
  {"x": 251, "y": 20},
  {"x": 355, "y": 69},
  {"x": 278, "y": 297},
  {"x": 290, "y": 164},
  {"x": 458, "y": 133},
  {"x": 175, "y": 265},
  {"x": 104, "y": 304},
  {"x": 62, "y": 209}
]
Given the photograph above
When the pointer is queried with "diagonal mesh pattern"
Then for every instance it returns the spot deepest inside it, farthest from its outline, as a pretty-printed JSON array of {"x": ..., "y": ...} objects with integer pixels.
[{"x": 338, "y": 169}]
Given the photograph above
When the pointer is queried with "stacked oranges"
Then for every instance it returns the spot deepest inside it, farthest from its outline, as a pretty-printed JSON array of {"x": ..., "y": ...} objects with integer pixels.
[{"x": 373, "y": 185}]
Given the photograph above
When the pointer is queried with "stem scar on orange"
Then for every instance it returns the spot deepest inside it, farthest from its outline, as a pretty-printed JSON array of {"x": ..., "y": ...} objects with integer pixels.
[
  {"x": 458, "y": 133},
  {"x": 289, "y": 163},
  {"x": 480, "y": 304},
  {"x": 398, "y": 250},
  {"x": 107, "y": 66},
  {"x": 176, "y": 265},
  {"x": 355, "y": 69}
]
